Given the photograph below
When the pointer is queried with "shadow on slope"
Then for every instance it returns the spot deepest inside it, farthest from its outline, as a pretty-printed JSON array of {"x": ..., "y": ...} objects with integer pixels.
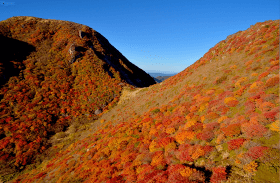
[{"x": 13, "y": 52}]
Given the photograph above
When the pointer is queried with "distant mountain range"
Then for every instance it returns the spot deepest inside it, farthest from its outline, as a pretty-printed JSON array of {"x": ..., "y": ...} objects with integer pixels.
[
  {"x": 160, "y": 77},
  {"x": 156, "y": 74}
]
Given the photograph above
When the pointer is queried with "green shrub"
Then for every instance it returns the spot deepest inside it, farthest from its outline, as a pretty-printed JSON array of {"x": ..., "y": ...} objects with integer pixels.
[
  {"x": 267, "y": 174},
  {"x": 155, "y": 111},
  {"x": 272, "y": 140},
  {"x": 221, "y": 79}
]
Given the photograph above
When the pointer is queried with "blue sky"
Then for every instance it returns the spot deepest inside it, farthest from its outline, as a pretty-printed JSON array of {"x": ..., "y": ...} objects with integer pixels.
[{"x": 156, "y": 35}]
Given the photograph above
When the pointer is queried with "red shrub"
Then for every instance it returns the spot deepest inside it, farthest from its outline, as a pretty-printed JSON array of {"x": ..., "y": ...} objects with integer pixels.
[
  {"x": 196, "y": 127},
  {"x": 214, "y": 103},
  {"x": 212, "y": 115},
  {"x": 235, "y": 143},
  {"x": 232, "y": 130},
  {"x": 271, "y": 115},
  {"x": 206, "y": 135},
  {"x": 272, "y": 82},
  {"x": 161, "y": 176},
  {"x": 223, "y": 109},
  {"x": 193, "y": 108},
  {"x": 117, "y": 179},
  {"x": 174, "y": 173},
  {"x": 231, "y": 101},
  {"x": 178, "y": 120},
  {"x": 266, "y": 106},
  {"x": 240, "y": 91},
  {"x": 166, "y": 122},
  {"x": 225, "y": 94},
  {"x": 256, "y": 152},
  {"x": 263, "y": 75},
  {"x": 147, "y": 169},
  {"x": 158, "y": 160},
  {"x": 212, "y": 126},
  {"x": 165, "y": 141},
  {"x": 253, "y": 130},
  {"x": 184, "y": 152},
  {"x": 257, "y": 96},
  {"x": 207, "y": 149},
  {"x": 219, "y": 175},
  {"x": 272, "y": 68}
]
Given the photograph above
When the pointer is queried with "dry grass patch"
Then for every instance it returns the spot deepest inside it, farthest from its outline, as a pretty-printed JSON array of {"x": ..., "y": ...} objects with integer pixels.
[{"x": 127, "y": 94}]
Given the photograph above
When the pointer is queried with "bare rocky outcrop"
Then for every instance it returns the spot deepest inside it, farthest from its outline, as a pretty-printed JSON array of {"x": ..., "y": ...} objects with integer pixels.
[
  {"x": 72, "y": 49},
  {"x": 97, "y": 111}
]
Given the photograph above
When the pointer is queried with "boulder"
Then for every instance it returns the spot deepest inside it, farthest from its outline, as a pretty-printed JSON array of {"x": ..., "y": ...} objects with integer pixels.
[
  {"x": 97, "y": 111},
  {"x": 72, "y": 49}
]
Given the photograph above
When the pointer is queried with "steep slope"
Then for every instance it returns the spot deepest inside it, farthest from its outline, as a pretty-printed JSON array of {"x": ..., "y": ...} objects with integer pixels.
[
  {"x": 53, "y": 74},
  {"x": 216, "y": 121}
]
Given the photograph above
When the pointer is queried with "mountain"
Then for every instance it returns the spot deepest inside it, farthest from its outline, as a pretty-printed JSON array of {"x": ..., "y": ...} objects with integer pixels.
[
  {"x": 53, "y": 74},
  {"x": 161, "y": 74},
  {"x": 160, "y": 79},
  {"x": 216, "y": 121}
]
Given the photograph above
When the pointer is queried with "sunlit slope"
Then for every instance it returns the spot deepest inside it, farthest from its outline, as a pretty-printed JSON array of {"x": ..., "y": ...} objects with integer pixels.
[
  {"x": 216, "y": 121},
  {"x": 52, "y": 74}
]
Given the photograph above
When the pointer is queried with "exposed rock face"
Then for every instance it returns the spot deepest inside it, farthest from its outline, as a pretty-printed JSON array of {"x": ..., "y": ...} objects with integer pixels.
[
  {"x": 72, "y": 49},
  {"x": 81, "y": 34},
  {"x": 98, "y": 111}
]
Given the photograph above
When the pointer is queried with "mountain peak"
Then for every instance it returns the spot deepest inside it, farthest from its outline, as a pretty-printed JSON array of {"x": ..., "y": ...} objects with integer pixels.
[{"x": 55, "y": 73}]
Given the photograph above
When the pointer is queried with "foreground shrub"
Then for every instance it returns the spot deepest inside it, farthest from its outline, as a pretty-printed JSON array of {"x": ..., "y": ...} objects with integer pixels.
[
  {"x": 256, "y": 152},
  {"x": 219, "y": 175},
  {"x": 235, "y": 143}
]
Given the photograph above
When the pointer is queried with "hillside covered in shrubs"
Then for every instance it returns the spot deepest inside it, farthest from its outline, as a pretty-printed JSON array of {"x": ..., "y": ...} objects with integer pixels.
[
  {"x": 216, "y": 121},
  {"x": 53, "y": 74}
]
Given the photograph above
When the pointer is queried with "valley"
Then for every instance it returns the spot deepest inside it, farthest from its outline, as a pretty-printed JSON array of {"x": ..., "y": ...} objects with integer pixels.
[{"x": 102, "y": 119}]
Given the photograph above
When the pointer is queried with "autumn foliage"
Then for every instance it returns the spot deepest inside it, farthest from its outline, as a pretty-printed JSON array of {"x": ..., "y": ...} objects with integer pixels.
[
  {"x": 193, "y": 127},
  {"x": 235, "y": 143},
  {"x": 51, "y": 92}
]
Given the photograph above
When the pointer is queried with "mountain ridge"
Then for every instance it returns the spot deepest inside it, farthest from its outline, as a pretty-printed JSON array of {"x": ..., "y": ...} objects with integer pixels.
[{"x": 161, "y": 74}]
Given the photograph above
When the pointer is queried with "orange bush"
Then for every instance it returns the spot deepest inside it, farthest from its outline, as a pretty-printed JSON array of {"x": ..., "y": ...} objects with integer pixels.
[
  {"x": 231, "y": 101},
  {"x": 212, "y": 115},
  {"x": 206, "y": 135},
  {"x": 182, "y": 136},
  {"x": 251, "y": 167},
  {"x": 232, "y": 130},
  {"x": 187, "y": 172},
  {"x": 275, "y": 126},
  {"x": 253, "y": 130},
  {"x": 272, "y": 81}
]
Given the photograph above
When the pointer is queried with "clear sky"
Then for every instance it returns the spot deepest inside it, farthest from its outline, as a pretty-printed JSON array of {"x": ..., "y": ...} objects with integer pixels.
[{"x": 158, "y": 35}]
